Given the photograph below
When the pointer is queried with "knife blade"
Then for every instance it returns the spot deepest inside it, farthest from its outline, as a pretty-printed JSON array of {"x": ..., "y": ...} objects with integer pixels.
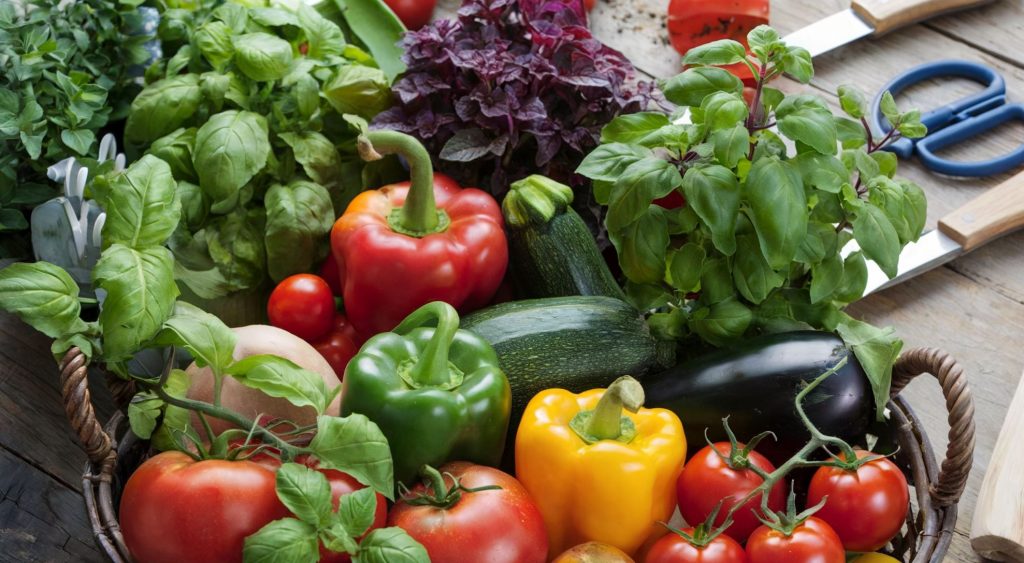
[
  {"x": 870, "y": 17},
  {"x": 997, "y": 212}
]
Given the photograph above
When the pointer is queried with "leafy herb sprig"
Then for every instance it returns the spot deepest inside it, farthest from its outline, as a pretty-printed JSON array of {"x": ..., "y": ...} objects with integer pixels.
[
  {"x": 756, "y": 247},
  {"x": 65, "y": 74}
]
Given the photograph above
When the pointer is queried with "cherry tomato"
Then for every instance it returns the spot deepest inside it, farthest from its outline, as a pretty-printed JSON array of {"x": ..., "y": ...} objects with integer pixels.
[
  {"x": 674, "y": 548},
  {"x": 175, "y": 509},
  {"x": 329, "y": 272},
  {"x": 867, "y": 507},
  {"x": 303, "y": 305},
  {"x": 707, "y": 480},
  {"x": 498, "y": 526},
  {"x": 813, "y": 541},
  {"x": 413, "y": 13},
  {"x": 593, "y": 552},
  {"x": 339, "y": 345}
]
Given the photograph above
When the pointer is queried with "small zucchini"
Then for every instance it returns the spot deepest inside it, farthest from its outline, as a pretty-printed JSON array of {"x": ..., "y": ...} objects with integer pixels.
[{"x": 552, "y": 252}]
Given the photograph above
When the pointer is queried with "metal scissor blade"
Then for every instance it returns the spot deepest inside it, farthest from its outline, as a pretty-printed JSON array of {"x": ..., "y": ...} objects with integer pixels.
[{"x": 930, "y": 251}]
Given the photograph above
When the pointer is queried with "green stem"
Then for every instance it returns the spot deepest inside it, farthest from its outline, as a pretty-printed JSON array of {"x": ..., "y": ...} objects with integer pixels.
[
  {"x": 432, "y": 368},
  {"x": 419, "y": 215},
  {"x": 606, "y": 422}
]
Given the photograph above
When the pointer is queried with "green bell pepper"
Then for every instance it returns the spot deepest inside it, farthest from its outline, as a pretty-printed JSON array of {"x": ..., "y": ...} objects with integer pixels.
[{"x": 436, "y": 393}]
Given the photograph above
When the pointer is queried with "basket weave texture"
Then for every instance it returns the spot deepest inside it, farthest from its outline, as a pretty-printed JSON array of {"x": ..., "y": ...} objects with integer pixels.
[{"x": 925, "y": 537}]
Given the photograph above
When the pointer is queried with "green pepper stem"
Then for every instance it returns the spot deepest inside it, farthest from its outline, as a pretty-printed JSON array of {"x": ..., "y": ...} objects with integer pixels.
[
  {"x": 419, "y": 215},
  {"x": 606, "y": 422},
  {"x": 431, "y": 368}
]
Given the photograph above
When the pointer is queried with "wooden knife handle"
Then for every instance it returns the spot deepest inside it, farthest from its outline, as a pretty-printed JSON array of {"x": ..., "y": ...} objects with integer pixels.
[
  {"x": 993, "y": 214},
  {"x": 887, "y": 15},
  {"x": 998, "y": 528}
]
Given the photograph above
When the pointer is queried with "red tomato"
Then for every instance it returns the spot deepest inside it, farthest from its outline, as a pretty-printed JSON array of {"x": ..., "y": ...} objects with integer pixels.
[
  {"x": 674, "y": 200},
  {"x": 341, "y": 485},
  {"x": 339, "y": 345},
  {"x": 175, "y": 509},
  {"x": 813, "y": 541},
  {"x": 867, "y": 507},
  {"x": 673, "y": 548},
  {"x": 303, "y": 305},
  {"x": 413, "y": 13},
  {"x": 329, "y": 272},
  {"x": 707, "y": 480},
  {"x": 497, "y": 526},
  {"x": 695, "y": 22}
]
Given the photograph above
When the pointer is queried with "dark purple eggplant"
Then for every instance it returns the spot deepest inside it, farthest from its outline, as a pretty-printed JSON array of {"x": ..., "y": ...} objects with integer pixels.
[{"x": 755, "y": 384}]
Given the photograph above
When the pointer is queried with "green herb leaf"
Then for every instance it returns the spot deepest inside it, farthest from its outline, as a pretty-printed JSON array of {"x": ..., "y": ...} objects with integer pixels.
[
  {"x": 390, "y": 545},
  {"x": 214, "y": 41},
  {"x": 911, "y": 126},
  {"x": 855, "y": 278},
  {"x": 888, "y": 106},
  {"x": 807, "y": 119},
  {"x": 887, "y": 162},
  {"x": 355, "y": 445},
  {"x": 319, "y": 159},
  {"x": 825, "y": 172},
  {"x": 639, "y": 185},
  {"x": 299, "y": 216},
  {"x": 915, "y": 207},
  {"x": 850, "y": 133},
  {"x": 714, "y": 193},
  {"x": 877, "y": 350},
  {"x": 685, "y": 267},
  {"x": 820, "y": 242},
  {"x": 143, "y": 412},
  {"x": 716, "y": 282},
  {"x": 78, "y": 140},
  {"x": 382, "y": 37},
  {"x": 305, "y": 492},
  {"x": 43, "y": 295},
  {"x": 778, "y": 209},
  {"x": 282, "y": 378},
  {"x": 877, "y": 238},
  {"x": 693, "y": 85},
  {"x": 359, "y": 90},
  {"x": 826, "y": 278},
  {"x": 852, "y": 101},
  {"x": 642, "y": 246},
  {"x": 731, "y": 144},
  {"x": 324, "y": 36},
  {"x": 797, "y": 63},
  {"x": 724, "y": 322},
  {"x": 176, "y": 150},
  {"x": 162, "y": 107},
  {"x": 206, "y": 337},
  {"x": 140, "y": 295},
  {"x": 262, "y": 56},
  {"x": 608, "y": 162},
  {"x": 282, "y": 541},
  {"x": 861, "y": 161},
  {"x": 723, "y": 110},
  {"x": 142, "y": 205},
  {"x": 762, "y": 41},
  {"x": 176, "y": 420},
  {"x": 356, "y": 511},
  {"x": 231, "y": 147},
  {"x": 634, "y": 128},
  {"x": 753, "y": 277},
  {"x": 721, "y": 52}
]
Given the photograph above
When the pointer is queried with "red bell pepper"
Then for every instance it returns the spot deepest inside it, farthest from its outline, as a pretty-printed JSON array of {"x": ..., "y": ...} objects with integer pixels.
[{"x": 405, "y": 245}]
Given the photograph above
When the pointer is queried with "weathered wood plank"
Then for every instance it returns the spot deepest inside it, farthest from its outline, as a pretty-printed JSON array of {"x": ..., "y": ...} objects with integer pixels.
[
  {"x": 41, "y": 519},
  {"x": 32, "y": 419}
]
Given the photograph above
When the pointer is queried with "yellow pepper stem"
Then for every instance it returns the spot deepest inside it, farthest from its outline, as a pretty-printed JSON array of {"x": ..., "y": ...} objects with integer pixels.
[{"x": 606, "y": 421}]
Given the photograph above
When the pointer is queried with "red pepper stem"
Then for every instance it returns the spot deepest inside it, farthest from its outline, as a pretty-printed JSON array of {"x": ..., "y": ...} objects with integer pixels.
[
  {"x": 419, "y": 215},
  {"x": 432, "y": 368},
  {"x": 606, "y": 422}
]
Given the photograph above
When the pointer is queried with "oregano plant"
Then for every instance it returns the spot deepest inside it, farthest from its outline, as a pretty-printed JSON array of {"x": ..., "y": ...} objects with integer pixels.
[{"x": 773, "y": 188}]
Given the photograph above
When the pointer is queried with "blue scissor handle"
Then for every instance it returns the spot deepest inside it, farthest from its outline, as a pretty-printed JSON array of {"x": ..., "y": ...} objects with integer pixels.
[
  {"x": 993, "y": 95},
  {"x": 927, "y": 147}
]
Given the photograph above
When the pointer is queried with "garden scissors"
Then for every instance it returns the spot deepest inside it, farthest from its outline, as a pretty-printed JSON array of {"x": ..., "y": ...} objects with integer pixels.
[{"x": 956, "y": 121}]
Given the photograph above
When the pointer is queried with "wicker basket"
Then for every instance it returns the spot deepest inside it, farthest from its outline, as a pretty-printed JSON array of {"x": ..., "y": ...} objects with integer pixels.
[{"x": 925, "y": 536}]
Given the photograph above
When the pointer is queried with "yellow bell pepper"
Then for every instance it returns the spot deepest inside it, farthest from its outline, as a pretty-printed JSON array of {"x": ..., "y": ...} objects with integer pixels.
[{"x": 595, "y": 472}]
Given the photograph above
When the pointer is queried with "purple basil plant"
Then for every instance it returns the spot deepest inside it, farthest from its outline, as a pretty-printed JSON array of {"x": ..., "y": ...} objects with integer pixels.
[{"x": 511, "y": 88}]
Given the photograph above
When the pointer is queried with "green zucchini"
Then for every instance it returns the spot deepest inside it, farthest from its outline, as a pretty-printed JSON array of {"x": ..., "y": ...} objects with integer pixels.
[
  {"x": 575, "y": 343},
  {"x": 552, "y": 252}
]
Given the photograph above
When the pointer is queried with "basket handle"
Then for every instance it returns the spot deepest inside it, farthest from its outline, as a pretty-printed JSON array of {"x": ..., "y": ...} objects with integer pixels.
[
  {"x": 959, "y": 403},
  {"x": 74, "y": 389}
]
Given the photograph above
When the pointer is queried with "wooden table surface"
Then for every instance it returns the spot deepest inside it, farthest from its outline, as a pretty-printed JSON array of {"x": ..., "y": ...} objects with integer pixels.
[{"x": 973, "y": 307}]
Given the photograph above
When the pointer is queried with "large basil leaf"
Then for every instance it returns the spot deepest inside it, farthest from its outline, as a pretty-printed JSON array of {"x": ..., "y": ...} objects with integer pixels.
[
  {"x": 690, "y": 87},
  {"x": 722, "y": 323},
  {"x": 282, "y": 378},
  {"x": 639, "y": 185},
  {"x": 235, "y": 243},
  {"x": 608, "y": 162},
  {"x": 214, "y": 41},
  {"x": 320, "y": 161},
  {"x": 877, "y": 238},
  {"x": 206, "y": 337},
  {"x": 714, "y": 193},
  {"x": 633, "y": 128},
  {"x": 299, "y": 217},
  {"x": 262, "y": 56},
  {"x": 305, "y": 492},
  {"x": 142, "y": 205},
  {"x": 140, "y": 295},
  {"x": 176, "y": 150},
  {"x": 355, "y": 445},
  {"x": 753, "y": 277},
  {"x": 43, "y": 295},
  {"x": 778, "y": 209},
  {"x": 876, "y": 350},
  {"x": 324, "y": 36},
  {"x": 231, "y": 147},
  {"x": 807, "y": 119},
  {"x": 162, "y": 107},
  {"x": 642, "y": 246},
  {"x": 282, "y": 541},
  {"x": 390, "y": 545},
  {"x": 358, "y": 90}
]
